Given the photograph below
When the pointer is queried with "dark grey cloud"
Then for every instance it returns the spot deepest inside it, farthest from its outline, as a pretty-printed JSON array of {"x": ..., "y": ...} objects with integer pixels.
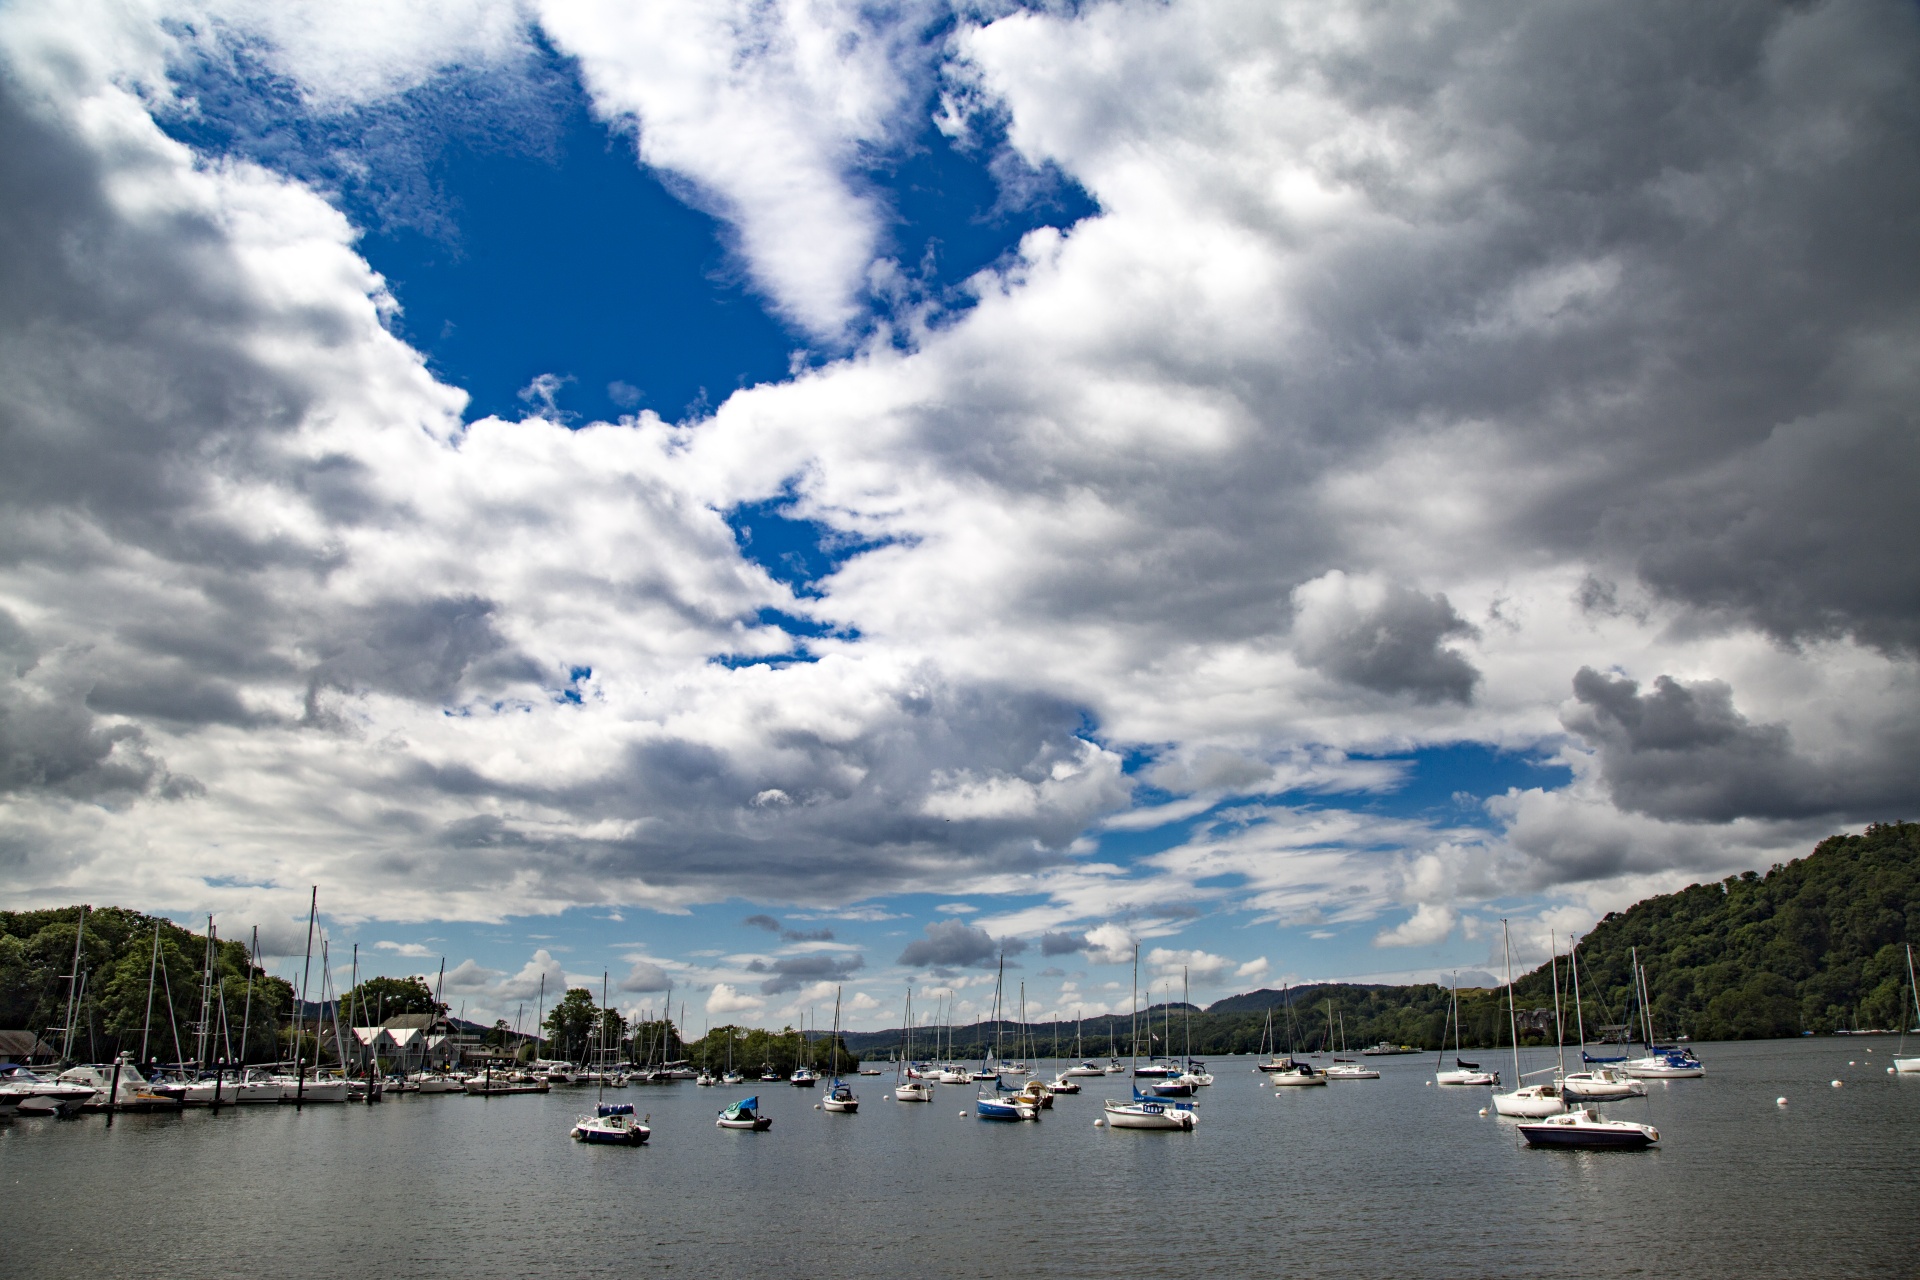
[
  {"x": 1060, "y": 944},
  {"x": 1683, "y": 751},
  {"x": 1396, "y": 645},
  {"x": 954, "y": 944},
  {"x": 772, "y": 925},
  {"x": 790, "y": 973}
]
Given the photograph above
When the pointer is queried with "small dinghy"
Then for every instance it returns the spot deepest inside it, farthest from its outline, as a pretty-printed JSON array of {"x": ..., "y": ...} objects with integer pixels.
[
  {"x": 612, "y": 1122},
  {"x": 745, "y": 1114},
  {"x": 1584, "y": 1128}
]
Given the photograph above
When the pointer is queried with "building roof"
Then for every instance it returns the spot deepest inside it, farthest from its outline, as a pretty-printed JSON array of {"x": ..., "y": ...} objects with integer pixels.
[{"x": 411, "y": 1022}]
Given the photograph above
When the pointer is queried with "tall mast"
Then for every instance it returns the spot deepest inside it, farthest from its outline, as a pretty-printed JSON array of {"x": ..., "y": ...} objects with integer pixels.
[
  {"x": 1559, "y": 1029},
  {"x": 246, "y": 1012},
  {"x": 153, "y": 965},
  {"x": 300, "y": 1010},
  {"x": 1579, "y": 1018},
  {"x": 73, "y": 988},
  {"x": 1513, "y": 1019},
  {"x": 1134, "y": 1073}
]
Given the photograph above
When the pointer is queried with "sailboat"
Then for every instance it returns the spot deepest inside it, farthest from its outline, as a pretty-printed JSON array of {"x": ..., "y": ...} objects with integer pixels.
[
  {"x": 1600, "y": 1082},
  {"x": 1004, "y": 1102},
  {"x": 1528, "y": 1101},
  {"x": 1347, "y": 1068},
  {"x": 745, "y": 1114},
  {"x": 907, "y": 1086},
  {"x": 1662, "y": 1062},
  {"x": 804, "y": 1076},
  {"x": 1462, "y": 1071},
  {"x": 840, "y": 1096},
  {"x": 1291, "y": 1072},
  {"x": 1147, "y": 1111},
  {"x": 1903, "y": 1065}
]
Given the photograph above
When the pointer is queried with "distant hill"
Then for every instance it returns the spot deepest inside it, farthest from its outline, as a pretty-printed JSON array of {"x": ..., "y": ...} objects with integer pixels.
[{"x": 1815, "y": 946}]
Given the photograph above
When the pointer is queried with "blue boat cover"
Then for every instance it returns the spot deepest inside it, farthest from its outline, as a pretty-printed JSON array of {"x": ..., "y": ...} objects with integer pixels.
[
  {"x": 746, "y": 1104},
  {"x": 1587, "y": 1057},
  {"x": 614, "y": 1109}
]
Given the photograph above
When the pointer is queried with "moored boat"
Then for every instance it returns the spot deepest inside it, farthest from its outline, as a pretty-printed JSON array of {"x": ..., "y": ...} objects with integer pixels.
[
  {"x": 612, "y": 1123},
  {"x": 1583, "y": 1128},
  {"x": 745, "y": 1114}
]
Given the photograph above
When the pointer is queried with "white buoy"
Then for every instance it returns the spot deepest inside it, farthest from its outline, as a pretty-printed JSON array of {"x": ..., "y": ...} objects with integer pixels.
[
  {"x": 1836, "y": 1084},
  {"x": 963, "y": 1115},
  {"x": 1850, "y": 1062},
  {"x": 1891, "y": 1071},
  {"x": 816, "y": 1106},
  {"x": 1779, "y": 1102},
  {"x": 1483, "y": 1111},
  {"x": 1099, "y": 1124}
]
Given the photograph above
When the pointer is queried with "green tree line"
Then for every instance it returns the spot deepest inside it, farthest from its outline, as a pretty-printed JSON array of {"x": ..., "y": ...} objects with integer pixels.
[{"x": 117, "y": 952}]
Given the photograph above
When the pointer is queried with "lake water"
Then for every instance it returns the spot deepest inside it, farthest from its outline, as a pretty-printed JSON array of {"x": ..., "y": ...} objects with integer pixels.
[{"x": 1385, "y": 1178}]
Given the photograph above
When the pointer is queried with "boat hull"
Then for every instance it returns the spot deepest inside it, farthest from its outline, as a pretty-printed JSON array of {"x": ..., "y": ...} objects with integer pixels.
[
  {"x": 1907, "y": 1066},
  {"x": 914, "y": 1093},
  {"x": 1591, "y": 1136},
  {"x": 1482, "y": 1079},
  {"x": 1528, "y": 1106},
  {"x": 611, "y": 1136},
  {"x": 1149, "y": 1115},
  {"x": 759, "y": 1124},
  {"x": 1296, "y": 1079}
]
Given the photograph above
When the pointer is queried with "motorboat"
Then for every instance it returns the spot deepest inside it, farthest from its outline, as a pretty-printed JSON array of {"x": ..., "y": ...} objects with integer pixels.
[
  {"x": 612, "y": 1123},
  {"x": 869, "y": 1071},
  {"x": 840, "y": 1097},
  {"x": 745, "y": 1114},
  {"x": 23, "y": 1092},
  {"x": 1148, "y": 1112},
  {"x": 1064, "y": 1083},
  {"x": 1294, "y": 1073},
  {"x": 481, "y": 1087},
  {"x": 913, "y": 1090},
  {"x": 436, "y": 1083},
  {"x": 1530, "y": 1101},
  {"x": 135, "y": 1092},
  {"x": 1600, "y": 1084},
  {"x": 803, "y": 1077},
  {"x": 1346, "y": 1069},
  {"x": 1384, "y": 1049},
  {"x": 1583, "y": 1128}
]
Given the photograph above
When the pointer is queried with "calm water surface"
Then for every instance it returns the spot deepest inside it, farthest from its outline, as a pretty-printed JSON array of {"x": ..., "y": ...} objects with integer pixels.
[{"x": 1381, "y": 1178}]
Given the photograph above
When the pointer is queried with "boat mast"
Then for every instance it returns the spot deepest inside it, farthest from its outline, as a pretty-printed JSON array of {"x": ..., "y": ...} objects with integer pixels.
[
  {"x": 1559, "y": 1029},
  {"x": 1135, "y": 1072},
  {"x": 153, "y": 965},
  {"x": 73, "y": 988},
  {"x": 1513, "y": 1019},
  {"x": 1579, "y": 1018},
  {"x": 1186, "y": 1016},
  {"x": 300, "y": 1013},
  {"x": 246, "y": 1011}
]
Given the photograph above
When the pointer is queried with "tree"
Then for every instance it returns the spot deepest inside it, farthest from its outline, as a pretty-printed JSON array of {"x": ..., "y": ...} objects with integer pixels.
[
  {"x": 570, "y": 1023},
  {"x": 377, "y": 999}
]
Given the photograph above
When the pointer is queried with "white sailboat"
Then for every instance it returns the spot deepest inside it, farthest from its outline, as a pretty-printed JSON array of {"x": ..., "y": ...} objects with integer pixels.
[
  {"x": 1462, "y": 1072},
  {"x": 1527, "y": 1101},
  {"x": 1147, "y": 1111},
  {"x": 1903, "y": 1065},
  {"x": 908, "y": 1087},
  {"x": 1662, "y": 1062},
  {"x": 840, "y": 1097},
  {"x": 1599, "y": 1082}
]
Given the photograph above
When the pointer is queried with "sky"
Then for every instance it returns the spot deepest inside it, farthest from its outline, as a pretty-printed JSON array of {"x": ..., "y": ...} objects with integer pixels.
[{"x": 799, "y": 497}]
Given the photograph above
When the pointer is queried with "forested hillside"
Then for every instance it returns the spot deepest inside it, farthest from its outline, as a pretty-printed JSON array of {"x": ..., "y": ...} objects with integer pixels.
[{"x": 117, "y": 954}]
